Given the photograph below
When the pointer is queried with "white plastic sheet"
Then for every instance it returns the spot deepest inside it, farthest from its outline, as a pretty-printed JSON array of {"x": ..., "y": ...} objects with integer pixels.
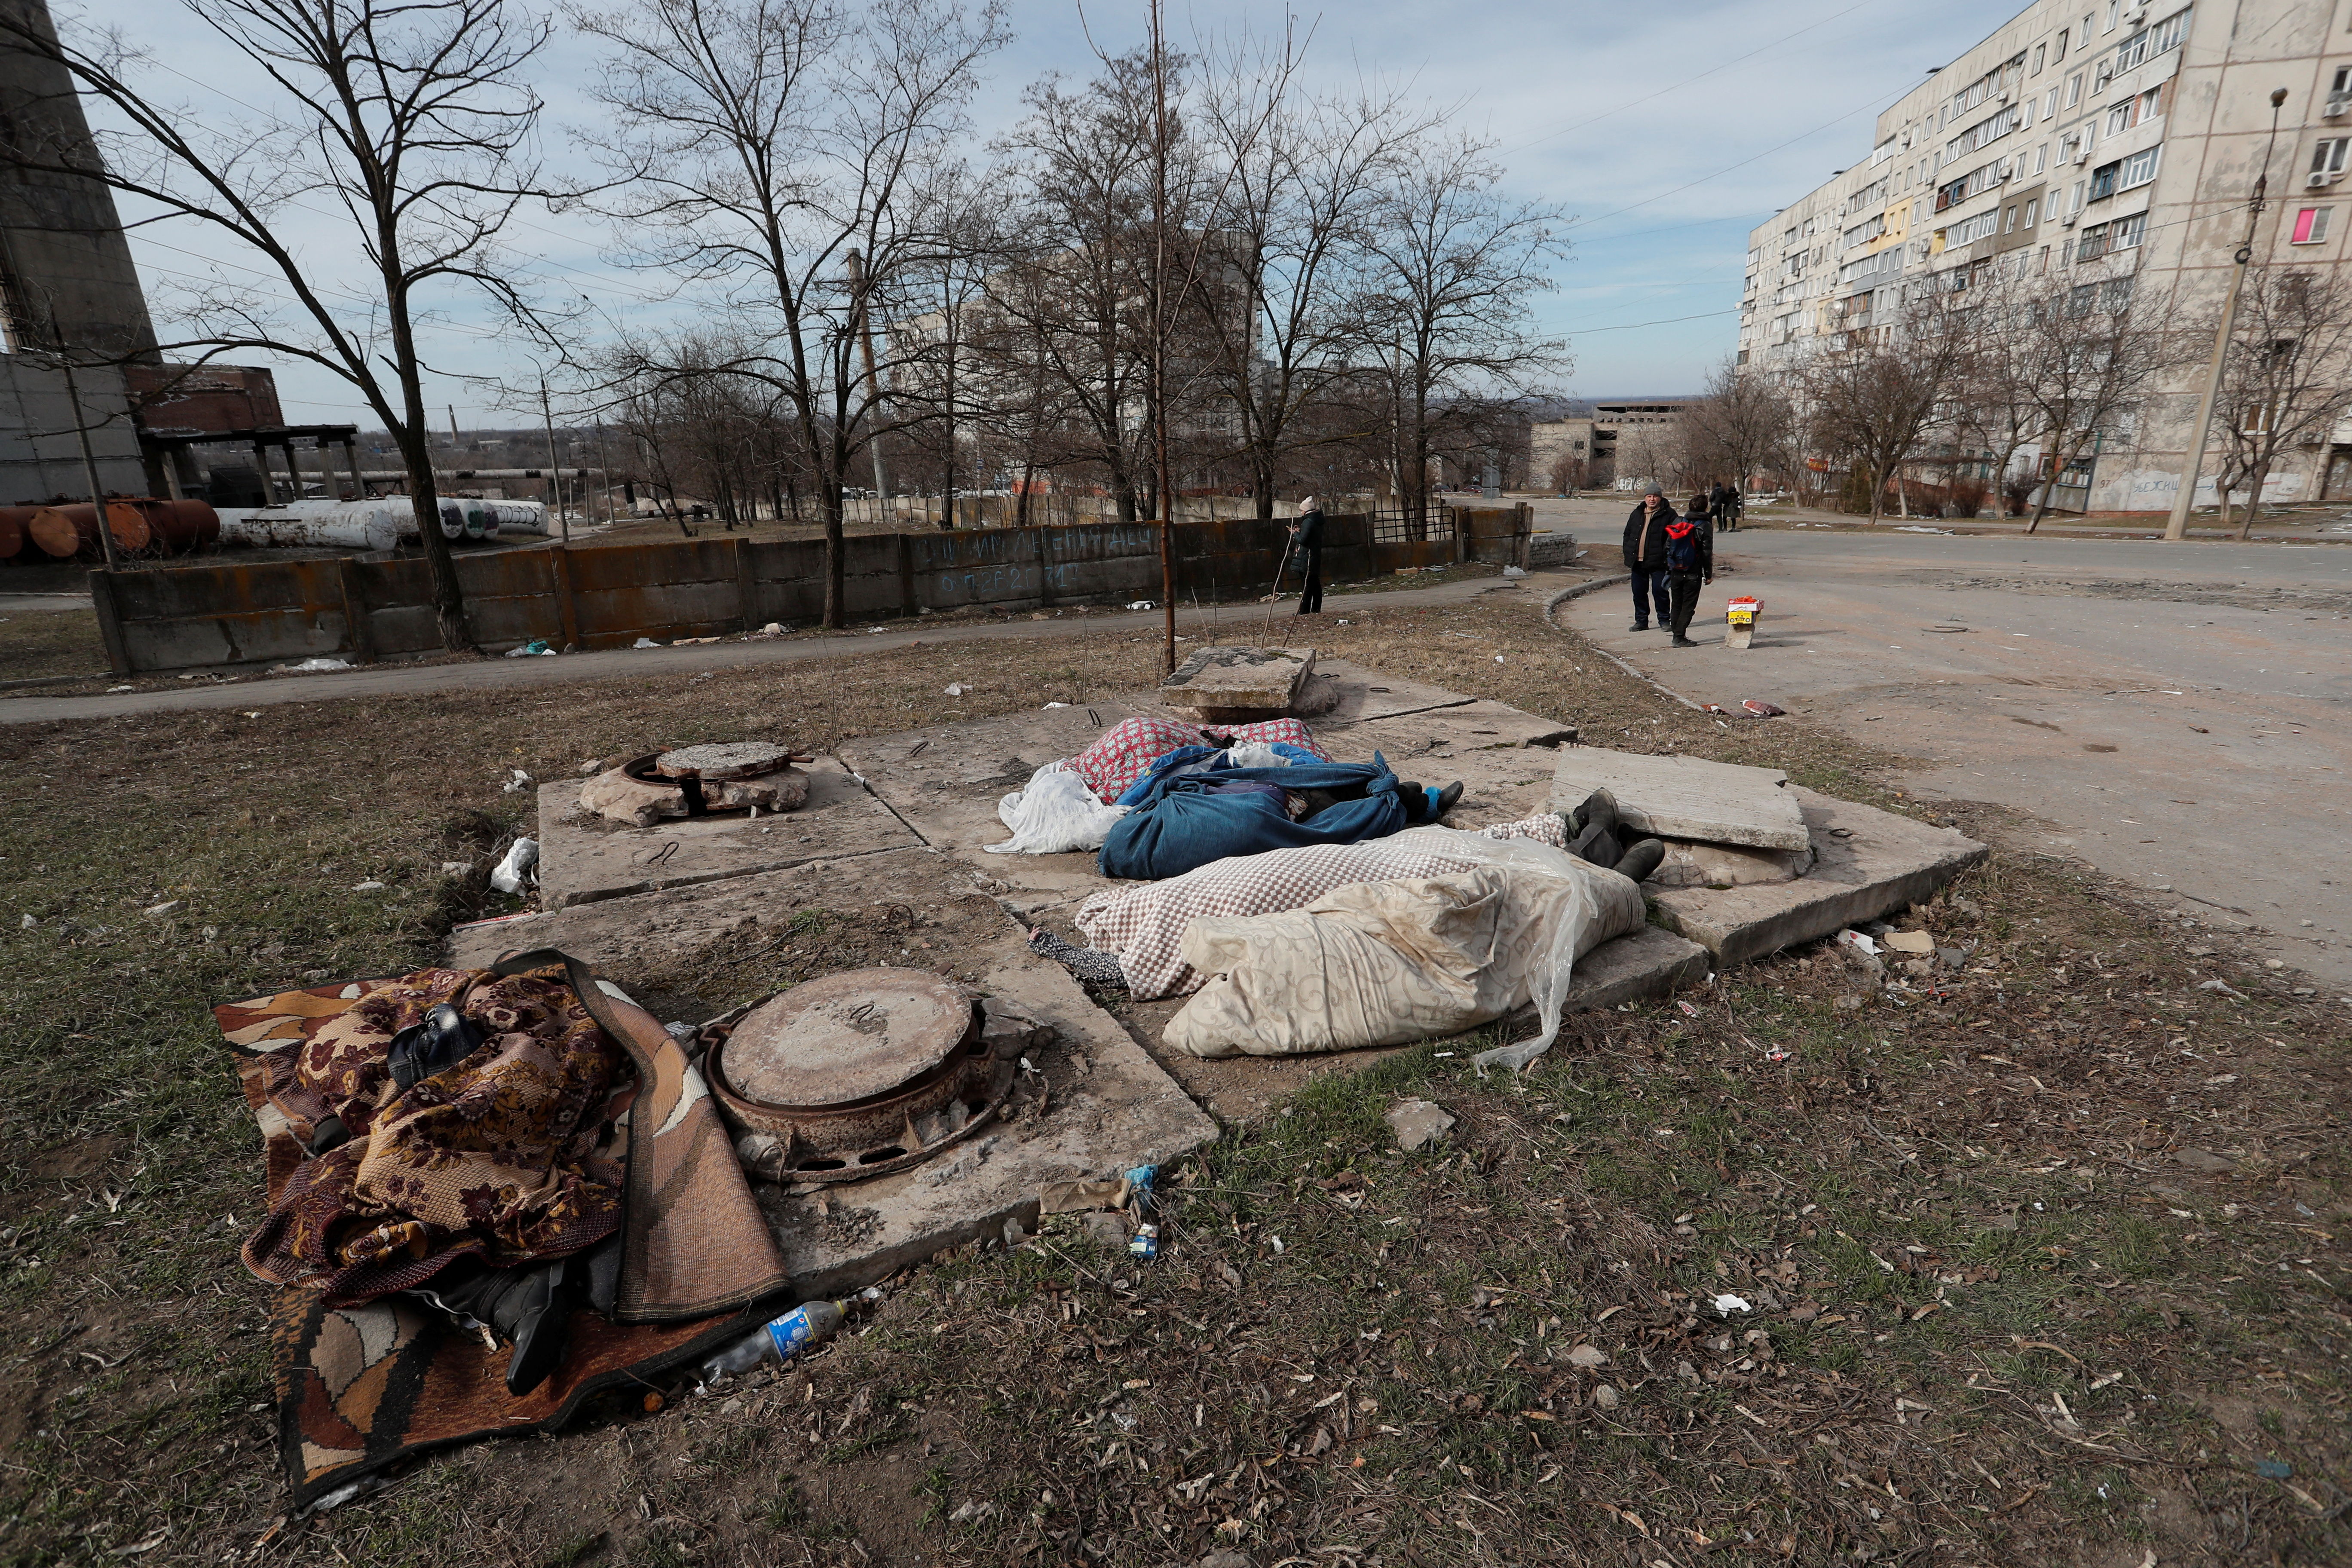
[{"x": 1054, "y": 814}]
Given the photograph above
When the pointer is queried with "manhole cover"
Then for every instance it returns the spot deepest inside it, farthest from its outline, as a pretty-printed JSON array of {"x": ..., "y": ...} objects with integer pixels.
[
  {"x": 859, "y": 1074},
  {"x": 728, "y": 760}
]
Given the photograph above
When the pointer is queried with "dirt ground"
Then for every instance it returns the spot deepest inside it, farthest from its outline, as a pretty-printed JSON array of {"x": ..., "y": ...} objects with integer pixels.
[{"x": 2035, "y": 1261}]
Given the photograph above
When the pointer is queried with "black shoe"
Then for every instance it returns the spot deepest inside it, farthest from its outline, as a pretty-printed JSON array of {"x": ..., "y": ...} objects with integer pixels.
[
  {"x": 1639, "y": 627},
  {"x": 1599, "y": 810},
  {"x": 528, "y": 1307},
  {"x": 1642, "y": 860},
  {"x": 1685, "y": 642},
  {"x": 1445, "y": 799}
]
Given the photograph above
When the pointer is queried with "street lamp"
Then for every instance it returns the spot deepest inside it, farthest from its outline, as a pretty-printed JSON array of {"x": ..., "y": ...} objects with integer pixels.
[{"x": 2177, "y": 526}]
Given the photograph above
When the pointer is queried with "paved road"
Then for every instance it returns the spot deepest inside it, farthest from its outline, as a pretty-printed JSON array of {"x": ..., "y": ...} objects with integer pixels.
[
  {"x": 1233, "y": 622},
  {"x": 2177, "y": 713}
]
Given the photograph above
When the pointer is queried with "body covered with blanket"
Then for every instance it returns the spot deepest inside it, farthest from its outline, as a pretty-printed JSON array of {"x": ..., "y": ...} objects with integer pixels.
[{"x": 1195, "y": 806}]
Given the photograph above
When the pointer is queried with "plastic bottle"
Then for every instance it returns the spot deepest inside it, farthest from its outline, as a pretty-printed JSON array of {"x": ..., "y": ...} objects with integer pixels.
[{"x": 778, "y": 1340}]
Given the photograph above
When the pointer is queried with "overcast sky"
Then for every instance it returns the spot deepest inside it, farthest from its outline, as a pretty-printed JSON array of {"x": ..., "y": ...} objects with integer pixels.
[{"x": 1670, "y": 130}]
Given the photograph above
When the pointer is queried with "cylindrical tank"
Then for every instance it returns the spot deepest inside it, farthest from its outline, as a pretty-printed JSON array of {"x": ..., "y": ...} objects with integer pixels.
[
  {"x": 517, "y": 516},
  {"x": 186, "y": 525},
  {"x": 13, "y": 519},
  {"x": 367, "y": 525},
  {"x": 65, "y": 531}
]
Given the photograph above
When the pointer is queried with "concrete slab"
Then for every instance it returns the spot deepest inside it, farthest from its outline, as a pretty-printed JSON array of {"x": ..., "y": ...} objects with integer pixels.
[
  {"x": 1689, "y": 864},
  {"x": 1234, "y": 682},
  {"x": 1684, "y": 797},
  {"x": 1870, "y": 863},
  {"x": 945, "y": 779},
  {"x": 1635, "y": 967},
  {"x": 1503, "y": 755},
  {"x": 1108, "y": 1106},
  {"x": 584, "y": 858}
]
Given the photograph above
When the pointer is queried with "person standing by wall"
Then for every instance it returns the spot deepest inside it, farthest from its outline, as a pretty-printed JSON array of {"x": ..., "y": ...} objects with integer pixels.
[
  {"x": 1725, "y": 520},
  {"x": 1690, "y": 561},
  {"x": 1306, "y": 533},
  {"x": 1646, "y": 558}
]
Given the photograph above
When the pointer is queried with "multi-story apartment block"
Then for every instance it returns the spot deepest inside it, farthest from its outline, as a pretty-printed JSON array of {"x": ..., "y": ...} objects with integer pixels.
[{"x": 2085, "y": 143}]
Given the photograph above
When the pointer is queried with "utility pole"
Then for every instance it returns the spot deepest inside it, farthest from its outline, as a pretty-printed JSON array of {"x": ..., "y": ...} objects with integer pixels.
[
  {"x": 2175, "y": 527},
  {"x": 873, "y": 379},
  {"x": 1159, "y": 336},
  {"x": 81, "y": 434},
  {"x": 554, "y": 479},
  {"x": 605, "y": 467}
]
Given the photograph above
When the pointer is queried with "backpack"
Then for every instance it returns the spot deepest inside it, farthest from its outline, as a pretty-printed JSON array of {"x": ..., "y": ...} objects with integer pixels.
[{"x": 1682, "y": 546}]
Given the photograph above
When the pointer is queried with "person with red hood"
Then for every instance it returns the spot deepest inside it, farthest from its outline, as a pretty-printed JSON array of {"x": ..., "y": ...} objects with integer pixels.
[{"x": 1690, "y": 561}]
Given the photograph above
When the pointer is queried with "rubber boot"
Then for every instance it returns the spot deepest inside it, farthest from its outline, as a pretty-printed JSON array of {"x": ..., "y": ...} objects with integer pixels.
[
  {"x": 528, "y": 1308},
  {"x": 1643, "y": 858}
]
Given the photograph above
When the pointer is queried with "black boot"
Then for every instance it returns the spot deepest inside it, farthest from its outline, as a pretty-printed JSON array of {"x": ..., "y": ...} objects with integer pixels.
[
  {"x": 528, "y": 1307},
  {"x": 1445, "y": 799},
  {"x": 1644, "y": 857}
]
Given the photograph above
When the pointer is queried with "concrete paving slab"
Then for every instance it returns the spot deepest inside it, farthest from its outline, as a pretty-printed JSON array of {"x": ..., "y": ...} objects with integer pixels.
[
  {"x": 1870, "y": 863},
  {"x": 1635, "y": 967},
  {"x": 1685, "y": 797},
  {"x": 1108, "y": 1106},
  {"x": 1497, "y": 750},
  {"x": 1234, "y": 681},
  {"x": 1689, "y": 864},
  {"x": 584, "y": 858},
  {"x": 945, "y": 779}
]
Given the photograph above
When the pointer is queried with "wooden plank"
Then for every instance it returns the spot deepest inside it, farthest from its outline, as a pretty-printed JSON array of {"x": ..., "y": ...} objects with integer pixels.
[
  {"x": 110, "y": 622},
  {"x": 567, "y": 612},
  {"x": 357, "y": 629}
]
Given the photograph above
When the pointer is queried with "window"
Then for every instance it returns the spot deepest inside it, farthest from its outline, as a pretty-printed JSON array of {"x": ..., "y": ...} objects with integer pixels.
[
  {"x": 2128, "y": 232},
  {"x": 2138, "y": 169},
  {"x": 2104, "y": 74},
  {"x": 2103, "y": 180},
  {"x": 2040, "y": 51},
  {"x": 2079, "y": 298},
  {"x": 2112, "y": 7},
  {"x": 2029, "y": 211},
  {"x": 2078, "y": 195},
  {"x": 2070, "y": 147},
  {"x": 2009, "y": 218},
  {"x": 2060, "y": 53},
  {"x": 2327, "y": 158},
  {"x": 2311, "y": 224},
  {"x": 2042, "y": 263},
  {"x": 1968, "y": 231},
  {"x": 2342, "y": 82},
  {"x": 2074, "y": 90},
  {"x": 2117, "y": 293},
  {"x": 2170, "y": 31},
  {"x": 2093, "y": 243},
  {"x": 2042, "y": 158},
  {"x": 2050, "y": 105}
]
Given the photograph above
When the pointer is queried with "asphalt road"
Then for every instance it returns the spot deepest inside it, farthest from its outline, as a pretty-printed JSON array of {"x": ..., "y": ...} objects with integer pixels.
[{"x": 2175, "y": 714}]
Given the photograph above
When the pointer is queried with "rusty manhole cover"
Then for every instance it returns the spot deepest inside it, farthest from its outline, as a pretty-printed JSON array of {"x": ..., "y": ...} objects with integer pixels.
[{"x": 859, "y": 1074}]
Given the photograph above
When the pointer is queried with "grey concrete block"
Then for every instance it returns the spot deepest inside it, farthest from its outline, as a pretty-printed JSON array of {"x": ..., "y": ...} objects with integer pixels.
[
  {"x": 1870, "y": 863},
  {"x": 1216, "y": 680},
  {"x": 1684, "y": 797}
]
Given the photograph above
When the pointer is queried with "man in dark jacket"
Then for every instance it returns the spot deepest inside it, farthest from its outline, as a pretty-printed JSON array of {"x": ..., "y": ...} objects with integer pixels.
[
  {"x": 1727, "y": 508},
  {"x": 1646, "y": 558},
  {"x": 1308, "y": 533},
  {"x": 1690, "y": 561}
]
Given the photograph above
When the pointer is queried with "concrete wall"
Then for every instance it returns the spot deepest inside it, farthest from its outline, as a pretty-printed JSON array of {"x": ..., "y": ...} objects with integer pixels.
[{"x": 609, "y": 596}]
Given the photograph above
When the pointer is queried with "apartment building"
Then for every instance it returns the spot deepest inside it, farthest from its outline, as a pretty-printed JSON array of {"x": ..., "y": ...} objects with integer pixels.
[{"x": 2090, "y": 143}]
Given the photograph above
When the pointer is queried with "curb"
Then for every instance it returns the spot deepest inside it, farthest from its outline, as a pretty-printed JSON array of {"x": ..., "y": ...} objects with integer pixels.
[{"x": 1565, "y": 595}]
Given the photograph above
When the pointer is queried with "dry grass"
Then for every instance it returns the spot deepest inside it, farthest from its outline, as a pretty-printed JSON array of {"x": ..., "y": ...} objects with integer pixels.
[
  {"x": 1953, "y": 1207},
  {"x": 35, "y": 642}
]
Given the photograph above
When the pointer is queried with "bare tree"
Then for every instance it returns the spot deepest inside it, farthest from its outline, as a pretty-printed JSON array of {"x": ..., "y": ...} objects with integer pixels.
[
  {"x": 1278, "y": 304},
  {"x": 1452, "y": 266},
  {"x": 1740, "y": 423},
  {"x": 405, "y": 120},
  {"x": 2098, "y": 350},
  {"x": 774, "y": 148},
  {"x": 1873, "y": 402},
  {"x": 2287, "y": 377}
]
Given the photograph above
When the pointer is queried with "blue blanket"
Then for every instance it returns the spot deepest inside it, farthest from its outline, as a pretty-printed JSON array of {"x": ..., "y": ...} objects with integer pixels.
[{"x": 1183, "y": 818}]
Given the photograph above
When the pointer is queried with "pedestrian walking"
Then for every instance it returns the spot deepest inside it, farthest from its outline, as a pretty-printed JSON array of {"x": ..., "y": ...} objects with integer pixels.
[
  {"x": 1690, "y": 561},
  {"x": 1646, "y": 558},
  {"x": 1721, "y": 509},
  {"x": 1306, "y": 533}
]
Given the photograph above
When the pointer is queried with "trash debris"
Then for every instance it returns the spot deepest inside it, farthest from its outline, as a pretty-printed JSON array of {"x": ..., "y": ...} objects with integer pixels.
[
  {"x": 644, "y": 642},
  {"x": 519, "y": 869},
  {"x": 1912, "y": 941},
  {"x": 26, "y": 922},
  {"x": 772, "y": 629},
  {"x": 1777, "y": 1054},
  {"x": 1858, "y": 941},
  {"x": 2273, "y": 1469},
  {"x": 1143, "y": 604},
  {"x": 1729, "y": 1304},
  {"x": 314, "y": 666},
  {"x": 958, "y": 689},
  {"x": 532, "y": 649},
  {"x": 113, "y": 689},
  {"x": 517, "y": 780},
  {"x": 456, "y": 867},
  {"x": 1512, "y": 572},
  {"x": 1054, "y": 814},
  {"x": 1417, "y": 1123},
  {"x": 1587, "y": 1356},
  {"x": 1144, "y": 1245},
  {"x": 151, "y": 909},
  {"x": 779, "y": 1340},
  {"x": 1763, "y": 710},
  {"x": 1054, "y": 705},
  {"x": 2223, "y": 986},
  {"x": 368, "y": 887}
]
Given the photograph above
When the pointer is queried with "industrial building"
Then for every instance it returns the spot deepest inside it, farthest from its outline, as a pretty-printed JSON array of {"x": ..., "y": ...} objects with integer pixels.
[{"x": 2111, "y": 143}]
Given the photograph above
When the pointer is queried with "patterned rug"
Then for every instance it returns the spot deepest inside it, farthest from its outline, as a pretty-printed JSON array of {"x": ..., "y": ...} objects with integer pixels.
[{"x": 361, "y": 1388}]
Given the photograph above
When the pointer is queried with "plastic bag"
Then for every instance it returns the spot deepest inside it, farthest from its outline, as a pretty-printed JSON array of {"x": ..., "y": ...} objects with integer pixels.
[
  {"x": 1054, "y": 813},
  {"x": 519, "y": 869}
]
